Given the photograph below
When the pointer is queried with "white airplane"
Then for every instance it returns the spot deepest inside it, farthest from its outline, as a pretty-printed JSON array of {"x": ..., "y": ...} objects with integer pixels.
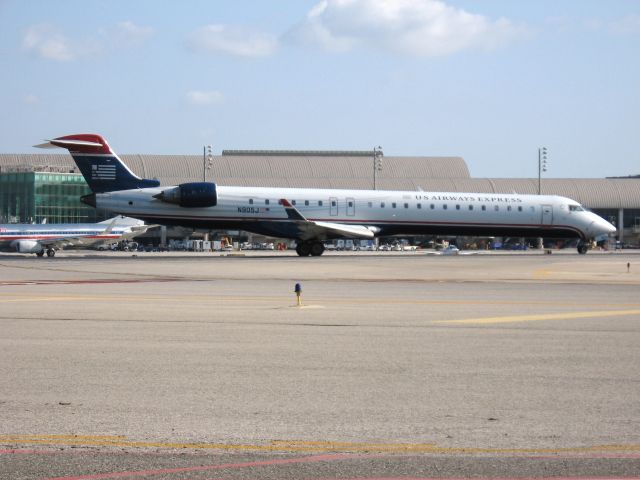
[
  {"x": 38, "y": 239},
  {"x": 311, "y": 216}
]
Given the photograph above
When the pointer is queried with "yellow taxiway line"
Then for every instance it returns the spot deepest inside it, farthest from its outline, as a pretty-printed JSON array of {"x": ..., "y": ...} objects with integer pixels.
[
  {"x": 541, "y": 316},
  {"x": 300, "y": 446},
  {"x": 15, "y": 298}
]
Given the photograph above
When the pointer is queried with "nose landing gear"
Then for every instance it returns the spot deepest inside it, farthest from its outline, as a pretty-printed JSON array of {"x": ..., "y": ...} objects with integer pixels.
[{"x": 583, "y": 248}]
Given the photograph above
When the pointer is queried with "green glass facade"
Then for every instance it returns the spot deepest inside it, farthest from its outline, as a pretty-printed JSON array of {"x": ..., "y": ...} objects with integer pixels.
[{"x": 32, "y": 197}]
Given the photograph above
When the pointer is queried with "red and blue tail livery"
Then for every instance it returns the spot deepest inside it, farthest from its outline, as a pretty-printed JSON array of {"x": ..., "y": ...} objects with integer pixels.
[{"x": 99, "y": 165}]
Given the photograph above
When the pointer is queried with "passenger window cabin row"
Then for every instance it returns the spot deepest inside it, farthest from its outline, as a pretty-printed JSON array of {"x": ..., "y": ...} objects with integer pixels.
[{"x": 432, "y": 206}]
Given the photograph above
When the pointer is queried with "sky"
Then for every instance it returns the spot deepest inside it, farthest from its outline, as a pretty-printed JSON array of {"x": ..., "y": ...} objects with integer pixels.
[{"x": 489, "y": 80}]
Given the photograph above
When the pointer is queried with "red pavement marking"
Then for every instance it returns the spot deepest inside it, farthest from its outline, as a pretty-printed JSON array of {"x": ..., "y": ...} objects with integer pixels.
[
  {"x": 284, "y": 461},
  {"x": 225, "y": 466}
]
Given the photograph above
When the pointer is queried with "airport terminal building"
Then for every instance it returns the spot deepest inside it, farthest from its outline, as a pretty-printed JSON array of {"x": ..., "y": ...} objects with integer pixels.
[{"x": 34, "y": 187}]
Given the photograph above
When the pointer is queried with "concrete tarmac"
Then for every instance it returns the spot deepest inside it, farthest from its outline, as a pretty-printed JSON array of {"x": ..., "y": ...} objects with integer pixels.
[{"x": 405, "y": 365}]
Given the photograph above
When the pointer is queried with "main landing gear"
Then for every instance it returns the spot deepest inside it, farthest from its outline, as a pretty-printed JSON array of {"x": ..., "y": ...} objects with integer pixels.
[
  {"x": 49, "y": 251},
  {"x": 310, "y": 247},
  {"x": 582, "y": 248}
]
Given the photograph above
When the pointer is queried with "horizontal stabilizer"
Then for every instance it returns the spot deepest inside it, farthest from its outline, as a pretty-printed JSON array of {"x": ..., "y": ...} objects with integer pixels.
[
  {"x": 47, "y": 144},
  {"x": 59, "y": 143}
]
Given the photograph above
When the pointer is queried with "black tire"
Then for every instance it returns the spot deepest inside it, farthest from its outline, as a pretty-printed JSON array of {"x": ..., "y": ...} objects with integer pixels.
[
  {"x": 51, "y": 252},
  {"x": 303, "y": 249},
  {"x": 317, "y": 249},
  {"x": 582, "y": 248},
  {"x": 40, "y": 253}
]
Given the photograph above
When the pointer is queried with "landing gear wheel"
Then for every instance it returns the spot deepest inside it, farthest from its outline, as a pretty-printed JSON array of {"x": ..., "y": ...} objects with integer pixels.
[
  {"x": 40, "y": 253},
  {"x": 303, "y": 249},
  {"x": 317, "y": 249},
  {"x": 582, "y": 248},
  {"x": 51, "y": 252}
]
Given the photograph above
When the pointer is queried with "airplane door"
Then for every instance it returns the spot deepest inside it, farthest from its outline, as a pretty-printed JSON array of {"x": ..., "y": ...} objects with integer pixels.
[
  {"x": 333, "y": 206},
  {"x": 547, "y": 214},
  {"x": 351, "y": 207}
]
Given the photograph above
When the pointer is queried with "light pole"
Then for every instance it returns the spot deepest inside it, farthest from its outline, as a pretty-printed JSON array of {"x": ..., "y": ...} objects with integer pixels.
[
  {"x": 542, "y": 166},
  {"x": 207, "y": 161},
  {"x": 377, "y": 162}
]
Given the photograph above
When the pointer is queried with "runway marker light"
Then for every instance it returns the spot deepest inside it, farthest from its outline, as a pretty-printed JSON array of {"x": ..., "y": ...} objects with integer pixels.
[
  {"x": 298, "y": 290},
  {"x": 628, "y": 267}
]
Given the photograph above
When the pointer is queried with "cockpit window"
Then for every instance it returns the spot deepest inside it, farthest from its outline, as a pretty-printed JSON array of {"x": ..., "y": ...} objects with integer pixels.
[{"x": 576, "y": 208}]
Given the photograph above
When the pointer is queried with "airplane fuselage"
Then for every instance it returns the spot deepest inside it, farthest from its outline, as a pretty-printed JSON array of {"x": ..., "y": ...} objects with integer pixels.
[{"x": 259, "y": 210}]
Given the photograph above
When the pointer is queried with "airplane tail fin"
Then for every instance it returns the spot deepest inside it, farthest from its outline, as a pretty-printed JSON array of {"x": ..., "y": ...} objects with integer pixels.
[{"x": 100, "y": 166}]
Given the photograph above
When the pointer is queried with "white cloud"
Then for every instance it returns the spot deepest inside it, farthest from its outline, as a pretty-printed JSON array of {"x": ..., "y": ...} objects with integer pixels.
[
  {"x": 198, "y": 97},
  {"x": 31, "y": 99},
  {"x": 128, "y": 32},
  {"x": 628, "y": 25},
  {"x": 415, "y": 27},
  {"x": 233, "y": 40},
  {"x": 44, "y": 41}
]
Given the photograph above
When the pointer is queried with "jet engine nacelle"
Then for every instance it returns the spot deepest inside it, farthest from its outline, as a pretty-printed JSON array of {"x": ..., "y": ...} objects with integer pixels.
[
  {"x": 191, "y": 195},
  {"x": 27, "y": 246}
]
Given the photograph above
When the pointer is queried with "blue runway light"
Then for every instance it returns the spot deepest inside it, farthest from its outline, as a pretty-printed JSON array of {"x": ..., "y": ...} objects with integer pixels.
[{"x": 298, "y": 290}]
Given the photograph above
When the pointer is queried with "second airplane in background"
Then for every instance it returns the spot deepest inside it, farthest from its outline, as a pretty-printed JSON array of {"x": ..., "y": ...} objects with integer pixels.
[
  {"x": 311, "y": 216},
  {"x": 47, "y": 238}
]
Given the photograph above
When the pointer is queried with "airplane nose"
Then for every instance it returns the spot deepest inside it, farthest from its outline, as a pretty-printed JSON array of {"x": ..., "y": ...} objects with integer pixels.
[
  {"x": 605, "y": 226},
  {"x": 602, "y": 227}
]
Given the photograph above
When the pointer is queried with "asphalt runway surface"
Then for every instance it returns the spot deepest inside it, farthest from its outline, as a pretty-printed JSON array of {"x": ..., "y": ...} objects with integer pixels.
[{"x": 176, "y": 366}]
